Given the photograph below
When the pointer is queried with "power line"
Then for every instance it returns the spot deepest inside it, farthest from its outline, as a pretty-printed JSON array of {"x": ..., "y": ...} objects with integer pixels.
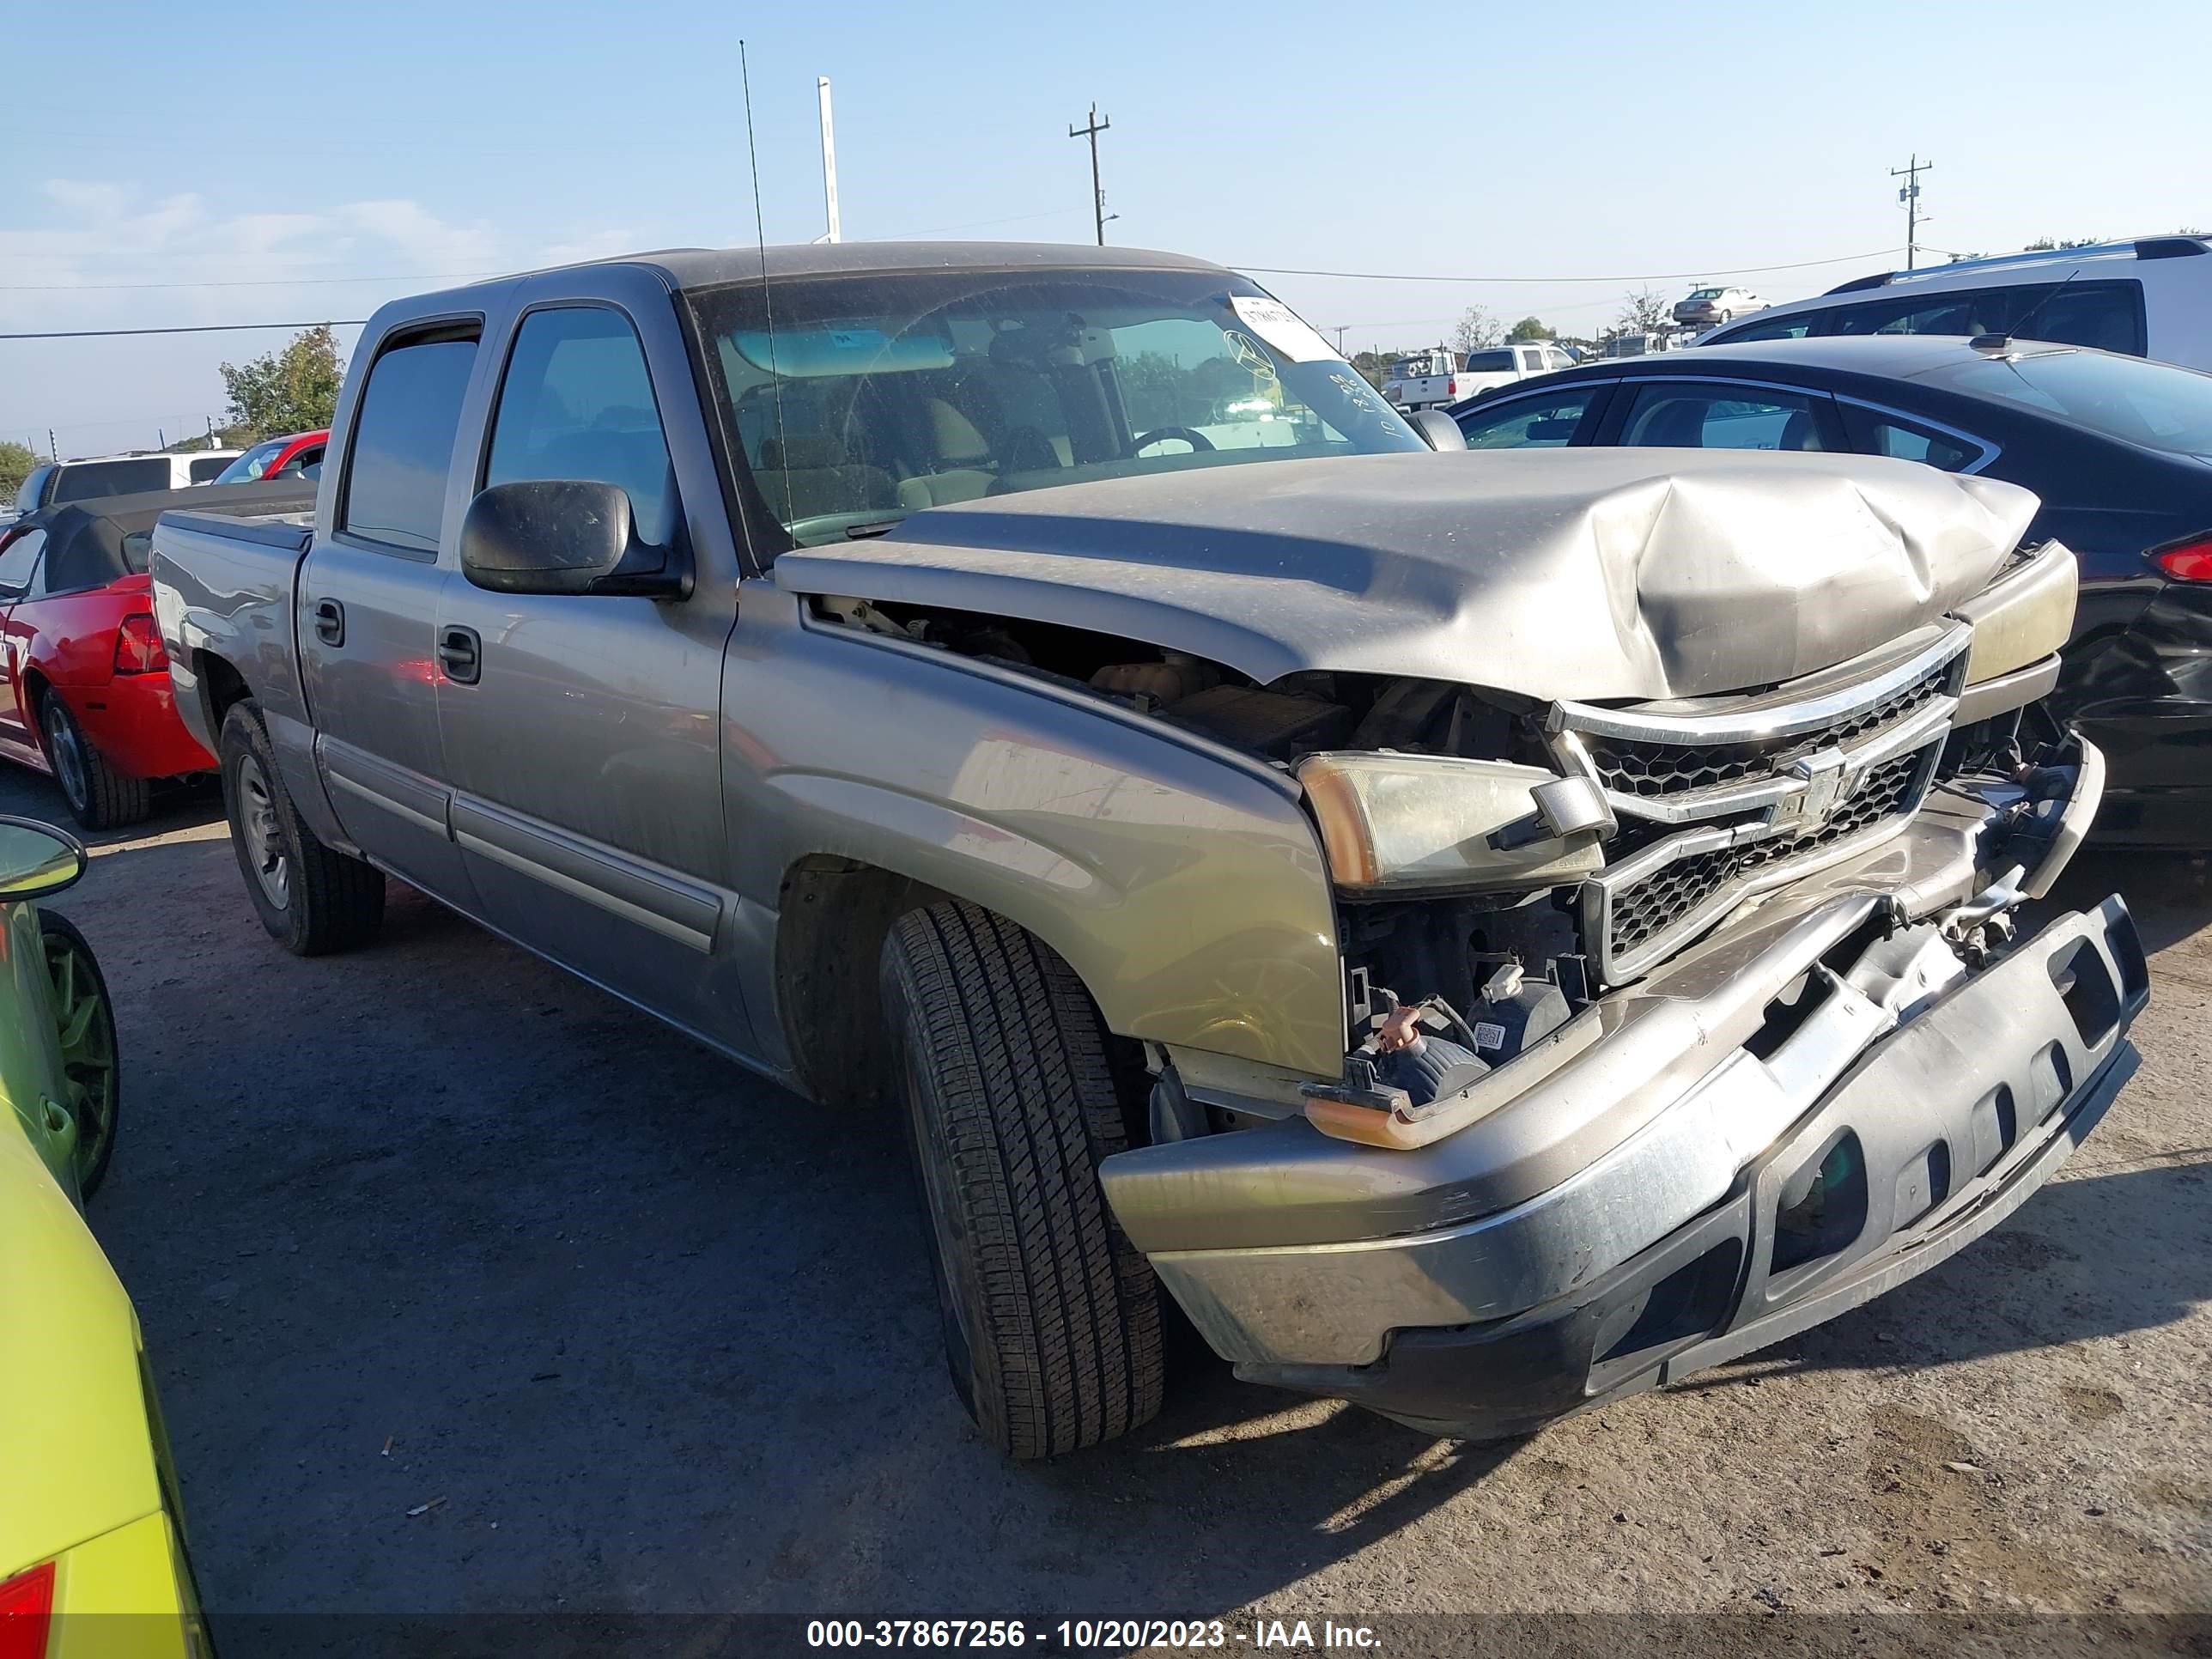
[
  {"x": 202, "y": 328},
  {"x": 1267, "y": 270},
  {"x": 1649, "y": 276},
  {"x": 257, "y": 282}
]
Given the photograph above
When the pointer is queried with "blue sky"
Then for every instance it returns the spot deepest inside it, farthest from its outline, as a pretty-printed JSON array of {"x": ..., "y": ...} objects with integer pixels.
[{"x": 288, "y": 145}]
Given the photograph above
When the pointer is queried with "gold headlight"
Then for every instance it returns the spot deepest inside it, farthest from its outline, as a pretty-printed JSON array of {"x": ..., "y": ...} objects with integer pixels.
[
  {"x": 2024, "y": 617},
  {"x": 1392, "y": 822}
]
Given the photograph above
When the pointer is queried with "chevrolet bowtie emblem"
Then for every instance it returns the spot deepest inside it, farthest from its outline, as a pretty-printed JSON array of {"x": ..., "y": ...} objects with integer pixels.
[{"x": 1819, "y": 780}]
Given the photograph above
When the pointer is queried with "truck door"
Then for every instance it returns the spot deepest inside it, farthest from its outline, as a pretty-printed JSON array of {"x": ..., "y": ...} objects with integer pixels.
[
  {"x": 582, "y": 732},
  {"x": 369, "y": 608}
]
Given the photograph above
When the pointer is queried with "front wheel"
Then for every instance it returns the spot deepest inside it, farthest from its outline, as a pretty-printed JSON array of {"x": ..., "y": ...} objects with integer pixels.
[
  {"x": 99, "y": 796},
  {"x": 1050, "y": 1316},
  {"x": 312, "y": 899},
  {"x": 84, "y": 1019}
]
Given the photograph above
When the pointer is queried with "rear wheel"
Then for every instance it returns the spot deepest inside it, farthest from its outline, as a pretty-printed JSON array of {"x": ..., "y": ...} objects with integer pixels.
[
  {"x": 311, "y": 900},
  {"x": 99, "y": 796},
  {"x": 85, "y": 1021},
  {"x": 1050, "y": 1316}
]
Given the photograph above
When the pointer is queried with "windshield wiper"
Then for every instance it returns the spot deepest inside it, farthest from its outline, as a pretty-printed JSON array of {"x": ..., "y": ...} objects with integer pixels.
[{"x": 874, "y": 527}]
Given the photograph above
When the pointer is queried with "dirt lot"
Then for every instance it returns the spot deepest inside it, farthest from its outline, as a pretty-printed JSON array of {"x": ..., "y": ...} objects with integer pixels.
[{"x": 434, "y": 1224}]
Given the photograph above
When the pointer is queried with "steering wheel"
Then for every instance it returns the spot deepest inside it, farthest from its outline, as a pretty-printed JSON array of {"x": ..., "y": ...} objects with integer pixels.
[{"x": 1199, "y": 442}]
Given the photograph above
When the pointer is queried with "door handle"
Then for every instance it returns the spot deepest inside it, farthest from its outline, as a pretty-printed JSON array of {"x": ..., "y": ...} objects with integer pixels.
[
  {"x": 460, "y": 654},
  {"x": 330, "y": 621}
]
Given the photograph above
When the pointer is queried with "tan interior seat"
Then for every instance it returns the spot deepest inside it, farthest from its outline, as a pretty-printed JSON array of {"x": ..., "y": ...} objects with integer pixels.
[
  {"x": 962, "y": 456},
  {"x": 806, "y": 475}
]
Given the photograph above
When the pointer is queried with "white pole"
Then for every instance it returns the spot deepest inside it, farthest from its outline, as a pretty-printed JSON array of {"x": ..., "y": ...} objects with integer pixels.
[{"x": 828, "y": 157}]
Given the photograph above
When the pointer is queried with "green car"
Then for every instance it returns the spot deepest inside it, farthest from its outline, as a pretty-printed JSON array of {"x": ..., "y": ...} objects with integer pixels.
[
  {"x": 57, "y": 1058},
  {"x": 93, "y": 1563}
]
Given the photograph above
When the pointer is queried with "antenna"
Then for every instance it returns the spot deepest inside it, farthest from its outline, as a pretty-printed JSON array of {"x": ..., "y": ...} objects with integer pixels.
[
  {"x": 768, "y": 302},
  {"x": 1999, "y": 341}
]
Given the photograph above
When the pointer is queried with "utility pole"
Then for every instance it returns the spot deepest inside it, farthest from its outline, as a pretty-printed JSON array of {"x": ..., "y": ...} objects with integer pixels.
[
  {"x": 1909, "y": 193},
  {"x": 828, "y": 158},
  {"x": 1340, "y": 339},
  {"x": 1098, "y": 190}
]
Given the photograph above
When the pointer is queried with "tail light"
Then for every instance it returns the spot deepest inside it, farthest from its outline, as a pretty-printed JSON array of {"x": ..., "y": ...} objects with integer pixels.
[
  {"x": 138, "y": 648},
  {"x": 27, "y": 1609},
  {"x": 2186, "y": 562}
]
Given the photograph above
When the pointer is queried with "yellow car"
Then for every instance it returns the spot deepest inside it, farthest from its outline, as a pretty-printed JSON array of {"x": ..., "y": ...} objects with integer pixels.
[{"x": 92, "y": 1546}]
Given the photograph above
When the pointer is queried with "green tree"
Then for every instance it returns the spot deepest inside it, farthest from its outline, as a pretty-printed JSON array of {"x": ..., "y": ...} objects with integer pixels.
[
  {"x": 292, "y": 389},
  {"x": 1476, "y": 331},
  {"x": 16, "y": 461},
  {"x": 1529, "y": 328},
  {"x": 2052, "y": 245}
]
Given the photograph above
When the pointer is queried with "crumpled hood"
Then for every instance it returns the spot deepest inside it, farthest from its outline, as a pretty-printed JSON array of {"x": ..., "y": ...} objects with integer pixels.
[{"x": 1588, "y": 575}]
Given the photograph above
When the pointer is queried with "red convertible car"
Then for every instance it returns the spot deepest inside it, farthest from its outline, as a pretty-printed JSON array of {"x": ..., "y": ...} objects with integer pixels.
[
  {"x": 300, "y": 456},
  {"x": 84, "y": 681}
]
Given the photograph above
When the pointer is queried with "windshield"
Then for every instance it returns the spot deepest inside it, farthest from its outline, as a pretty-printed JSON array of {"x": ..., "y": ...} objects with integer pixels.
[
  {"x": 2158, "y": 405},
  {"x": 1708, "y": 294},
  {"x": 252, "y": 464},
  {"x": 881, "y": 395}
]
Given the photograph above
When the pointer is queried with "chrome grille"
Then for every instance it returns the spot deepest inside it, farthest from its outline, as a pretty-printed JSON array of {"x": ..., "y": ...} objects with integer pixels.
[
  {"x": 1651, "y": 907},
  {"x": 1637, "y": 767},
  {"x": 1722, "y": 798}
]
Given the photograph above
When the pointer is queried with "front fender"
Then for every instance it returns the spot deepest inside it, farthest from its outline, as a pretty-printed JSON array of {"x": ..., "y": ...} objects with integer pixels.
[{"x": 1182, "y": 882}]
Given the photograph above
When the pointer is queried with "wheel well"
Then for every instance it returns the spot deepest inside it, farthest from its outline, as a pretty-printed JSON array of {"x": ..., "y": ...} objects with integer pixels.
[
  {"x": 833, "y": 916},
  {"x": 220, "y": 685}
]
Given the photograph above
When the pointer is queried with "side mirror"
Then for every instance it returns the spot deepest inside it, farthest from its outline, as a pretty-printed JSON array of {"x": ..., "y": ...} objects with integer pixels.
[
  {"x": 1438, "y": 429},
  {"x": 563, "y": 536},
  {"x": 37, "y": 860}
]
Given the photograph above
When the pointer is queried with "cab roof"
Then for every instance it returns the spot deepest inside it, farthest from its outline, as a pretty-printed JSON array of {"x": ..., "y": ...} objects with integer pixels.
[{"x": 702, "y": 267}]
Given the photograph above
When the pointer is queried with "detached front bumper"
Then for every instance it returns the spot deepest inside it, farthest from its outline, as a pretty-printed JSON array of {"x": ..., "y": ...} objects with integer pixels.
[{"x": 1790, "y": 1119}]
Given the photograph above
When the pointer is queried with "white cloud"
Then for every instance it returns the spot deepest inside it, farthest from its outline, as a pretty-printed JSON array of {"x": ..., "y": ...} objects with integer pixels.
[
  {"x": 112, "y": 257},
  {"x": 105, "y": 238}
]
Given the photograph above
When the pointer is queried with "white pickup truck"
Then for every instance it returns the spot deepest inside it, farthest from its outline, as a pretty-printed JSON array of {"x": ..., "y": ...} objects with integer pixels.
[{"x": 1430, "y": 380}]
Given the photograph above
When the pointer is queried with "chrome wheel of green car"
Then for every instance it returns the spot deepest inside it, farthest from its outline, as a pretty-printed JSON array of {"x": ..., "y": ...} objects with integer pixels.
[
  {"x": 85, "y": 1021},
  {"x": 264, "y": 839}
]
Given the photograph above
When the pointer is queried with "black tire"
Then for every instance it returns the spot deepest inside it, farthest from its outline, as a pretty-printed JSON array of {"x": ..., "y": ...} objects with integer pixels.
[
  {"x": 1051, "y": 1317},
  {"x": 91, "y": 1058},
  {"x": 311, "y": 900},
  {"x": 99, "y": 796}
]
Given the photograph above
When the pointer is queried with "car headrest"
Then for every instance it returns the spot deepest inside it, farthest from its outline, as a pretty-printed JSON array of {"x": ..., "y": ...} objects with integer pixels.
[{"x": 953, "y": 436}]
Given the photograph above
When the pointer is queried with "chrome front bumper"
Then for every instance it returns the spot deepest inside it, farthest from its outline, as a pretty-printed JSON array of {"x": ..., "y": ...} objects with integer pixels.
[{"x": 1721, "y": 1087}]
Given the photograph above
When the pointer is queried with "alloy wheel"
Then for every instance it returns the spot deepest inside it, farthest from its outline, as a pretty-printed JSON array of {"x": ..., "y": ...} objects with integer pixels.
[
  {"x": 86, "y": 1026},
  {"x": 67, "y": 754},
  {"x": 264, "y": 838}
]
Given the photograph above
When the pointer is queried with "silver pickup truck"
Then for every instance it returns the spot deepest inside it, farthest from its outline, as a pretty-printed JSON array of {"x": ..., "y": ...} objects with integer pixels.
[{"x": 1484, "y": 933}]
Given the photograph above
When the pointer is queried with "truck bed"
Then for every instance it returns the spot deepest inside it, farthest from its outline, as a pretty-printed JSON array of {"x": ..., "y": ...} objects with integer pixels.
[{"x": 223, "y": 584}]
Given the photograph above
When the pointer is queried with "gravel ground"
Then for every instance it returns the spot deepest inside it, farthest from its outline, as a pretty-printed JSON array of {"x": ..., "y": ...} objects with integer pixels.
[{"x": 434, "y": 1224}]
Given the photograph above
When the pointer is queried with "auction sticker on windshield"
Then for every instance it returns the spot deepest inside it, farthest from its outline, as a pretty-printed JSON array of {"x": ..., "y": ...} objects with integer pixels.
[{"x": 1280, "y": 327}]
